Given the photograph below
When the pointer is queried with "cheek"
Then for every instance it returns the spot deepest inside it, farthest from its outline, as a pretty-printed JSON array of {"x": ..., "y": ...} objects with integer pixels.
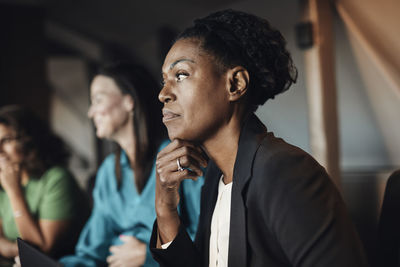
[
  {"x": 108, "y": 112},
  {"x": 105, "y": 109},
  {"x": 14, "y": 152}
]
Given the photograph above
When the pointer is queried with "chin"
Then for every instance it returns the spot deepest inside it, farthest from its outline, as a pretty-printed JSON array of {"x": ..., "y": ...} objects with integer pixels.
[
  {"x": 101, "y": 134},
  {"x": 174, "y": 134},
  {"x": 181, "y": 135}
]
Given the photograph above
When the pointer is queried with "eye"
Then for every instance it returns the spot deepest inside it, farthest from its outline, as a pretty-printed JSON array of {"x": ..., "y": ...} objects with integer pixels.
[
  {"x": 8, "y": 139},
  {"x": 96, "y": 100},
  {"x": 181, "y": 76}
]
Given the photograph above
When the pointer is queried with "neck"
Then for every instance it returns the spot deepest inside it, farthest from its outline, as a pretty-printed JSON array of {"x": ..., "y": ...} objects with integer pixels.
[
  {"x": 223, "y": 146},
  {"x": 126, "y": 139}
]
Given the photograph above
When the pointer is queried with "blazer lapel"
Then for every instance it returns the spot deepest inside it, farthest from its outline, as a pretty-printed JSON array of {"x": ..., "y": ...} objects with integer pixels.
[{"x": 251, "y": 135}]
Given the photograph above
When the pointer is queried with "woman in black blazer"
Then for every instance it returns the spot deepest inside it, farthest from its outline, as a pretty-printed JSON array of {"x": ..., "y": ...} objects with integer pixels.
[{"x": 264, "y": 202}]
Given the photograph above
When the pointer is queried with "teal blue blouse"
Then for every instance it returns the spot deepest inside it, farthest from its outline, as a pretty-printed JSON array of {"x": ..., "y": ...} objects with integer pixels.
[{"x": 125, "y": 212}]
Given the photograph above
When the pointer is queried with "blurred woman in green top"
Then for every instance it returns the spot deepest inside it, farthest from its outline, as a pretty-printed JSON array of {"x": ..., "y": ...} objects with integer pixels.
[{"x": 38, "y": 196}]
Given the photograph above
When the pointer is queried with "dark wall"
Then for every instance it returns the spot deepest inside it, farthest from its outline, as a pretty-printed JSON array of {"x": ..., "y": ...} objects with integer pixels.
[{"x": 22, "y": 61}]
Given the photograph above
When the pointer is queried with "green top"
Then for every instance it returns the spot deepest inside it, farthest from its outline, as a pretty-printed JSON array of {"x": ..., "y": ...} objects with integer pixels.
[{"x": 51, "y": 197}]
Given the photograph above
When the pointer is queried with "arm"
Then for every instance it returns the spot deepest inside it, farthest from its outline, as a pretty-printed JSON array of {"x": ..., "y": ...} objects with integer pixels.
[
  {"x": 96, "y": 237},
  {"x": 42, "y": 233},
  {"x": 308, "y": 217},
  {"x": 168, "y": 180},
  {"x": 8, "y": 249}
]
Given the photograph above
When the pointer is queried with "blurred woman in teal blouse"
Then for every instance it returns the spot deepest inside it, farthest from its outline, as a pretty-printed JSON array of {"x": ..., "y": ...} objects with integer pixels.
[{"x": 125, "y": 109}]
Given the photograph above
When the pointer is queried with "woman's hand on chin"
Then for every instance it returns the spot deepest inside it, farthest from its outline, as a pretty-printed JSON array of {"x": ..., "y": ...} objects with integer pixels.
[
  {"x": 10, "y": 176},
  {"x": 178, "y": 161}
]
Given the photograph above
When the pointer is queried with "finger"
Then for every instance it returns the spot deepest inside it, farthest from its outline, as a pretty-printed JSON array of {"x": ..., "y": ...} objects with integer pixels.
[
  {"x": 114, "y": 249},
  {"x": 15, "y": 167},
  {"x": 174, "y": 178},
  {"x": 175, "y": 144},
  {"x": 3, "y": 163},
  {"x": 170, "y": 147},
  {"x": 127, "y": 238},
  {"x": 111, "y": 259},
  {"x": 186, "y": 158},
  {"x": 117, "y": 264},
  {"x": 187, "y": 162},
  {"x": 113, "y": 264},
  {"x": 187, "y": 174},
  {"x": 183, "y": 151}
]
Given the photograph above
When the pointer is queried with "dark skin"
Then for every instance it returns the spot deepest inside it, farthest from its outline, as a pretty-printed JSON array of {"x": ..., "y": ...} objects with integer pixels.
[{"x": 204, "y": 106}]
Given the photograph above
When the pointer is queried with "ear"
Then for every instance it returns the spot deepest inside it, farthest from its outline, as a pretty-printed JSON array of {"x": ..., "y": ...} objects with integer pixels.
[
  {"x": 238, "y": 82},
  {"x": 128, "y": 103}
]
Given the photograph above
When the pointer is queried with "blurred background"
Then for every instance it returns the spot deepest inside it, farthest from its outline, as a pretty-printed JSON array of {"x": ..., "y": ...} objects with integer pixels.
[{"x": 50, "y": 48}]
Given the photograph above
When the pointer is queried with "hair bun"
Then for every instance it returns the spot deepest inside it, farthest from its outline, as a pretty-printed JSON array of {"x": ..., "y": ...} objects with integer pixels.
[{"x": 239, "y": 38}]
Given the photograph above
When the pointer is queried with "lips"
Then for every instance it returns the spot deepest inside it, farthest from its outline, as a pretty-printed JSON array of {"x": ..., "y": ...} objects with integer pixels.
[{"x": 168, "y": 115}]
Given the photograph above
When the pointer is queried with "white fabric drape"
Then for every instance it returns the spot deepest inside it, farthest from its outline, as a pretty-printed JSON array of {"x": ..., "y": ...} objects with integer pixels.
[{"x": 373, "y": 28}]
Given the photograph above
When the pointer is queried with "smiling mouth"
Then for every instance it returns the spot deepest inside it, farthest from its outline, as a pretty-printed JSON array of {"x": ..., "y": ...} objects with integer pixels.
[{"x": 168, "y": 116}]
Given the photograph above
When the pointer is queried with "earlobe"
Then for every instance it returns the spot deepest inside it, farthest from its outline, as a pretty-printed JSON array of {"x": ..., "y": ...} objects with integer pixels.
[
  {"x": 239, "y": 82},
  {"x": 128, "y": 103}
]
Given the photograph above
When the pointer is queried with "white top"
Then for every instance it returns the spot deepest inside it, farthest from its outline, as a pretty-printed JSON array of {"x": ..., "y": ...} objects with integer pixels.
[{"x": 220, "y": 224}]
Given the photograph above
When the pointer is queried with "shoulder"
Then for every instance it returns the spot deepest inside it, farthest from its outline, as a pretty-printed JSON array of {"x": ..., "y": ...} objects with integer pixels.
[
  {"x": 56, "y": 174},
  {"x": 392, "y": 187},
  {"x": 57, "y": 179},
  {"x": 108, "y": 162},
  {"x": 394, "y": 179},
  {"x": 282, "y": 167},
  {"x": 274, "y": 154}
]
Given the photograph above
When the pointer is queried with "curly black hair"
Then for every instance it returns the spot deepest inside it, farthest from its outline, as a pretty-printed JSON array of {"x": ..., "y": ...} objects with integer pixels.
[
  {"x": 42, "y": 149},
  {"x": 236, "y": 38}
]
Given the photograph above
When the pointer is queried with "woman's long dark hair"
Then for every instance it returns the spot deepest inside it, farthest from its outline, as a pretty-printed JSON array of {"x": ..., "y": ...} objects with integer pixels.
[
  {"x": 41, "y": 148},
  {"x": 136, "y": 81}
]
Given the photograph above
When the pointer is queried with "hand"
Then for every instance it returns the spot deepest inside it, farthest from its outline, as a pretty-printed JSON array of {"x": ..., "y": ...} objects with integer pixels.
[
  {"x": 191, "y": 159},
  {"x": 10, "y": 175},
  {"x": 8, "y": 249},
  {"x": 131, "y": 253},
  {"x": 168, "y": 180}
]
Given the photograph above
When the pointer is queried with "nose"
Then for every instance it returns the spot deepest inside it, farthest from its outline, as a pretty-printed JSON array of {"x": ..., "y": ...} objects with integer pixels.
[
  {"x": 165, "y": 95},
  {"x": 90, "y": 112}
]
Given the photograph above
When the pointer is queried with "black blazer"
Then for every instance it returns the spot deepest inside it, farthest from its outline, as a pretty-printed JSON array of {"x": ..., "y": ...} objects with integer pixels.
[
  {"x": 388, "y": 231},
  {"x": 285, "y": 211}
]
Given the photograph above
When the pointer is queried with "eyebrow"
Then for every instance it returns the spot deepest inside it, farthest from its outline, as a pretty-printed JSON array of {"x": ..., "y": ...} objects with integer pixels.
[{"x": 178, "y": 61}]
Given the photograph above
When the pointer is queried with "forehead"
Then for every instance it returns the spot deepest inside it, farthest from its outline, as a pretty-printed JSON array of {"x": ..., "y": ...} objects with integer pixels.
[
  {"x": 102, "y": 84},
  {"x": 185, "y": 50}
]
